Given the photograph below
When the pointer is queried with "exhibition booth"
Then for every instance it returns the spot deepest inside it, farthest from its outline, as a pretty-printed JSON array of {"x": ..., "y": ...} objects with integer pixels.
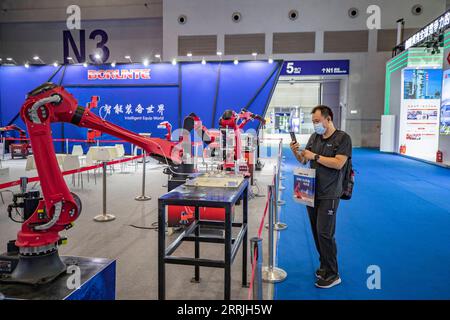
[
  {"x": 140, "y": 98},
  {"x": 416, "y": 115}
]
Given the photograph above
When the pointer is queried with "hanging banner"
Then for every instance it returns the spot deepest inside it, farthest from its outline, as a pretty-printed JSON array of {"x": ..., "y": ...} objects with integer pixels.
[{"x": 419, "y": 116}]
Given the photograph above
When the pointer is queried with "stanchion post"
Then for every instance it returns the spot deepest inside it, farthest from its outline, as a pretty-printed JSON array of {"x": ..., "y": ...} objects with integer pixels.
[
  {"x": 278, "y": 183},
  {"x": 257, "y": 249},
  {"x": 270, "y": 273},
  {"x": 67, "y": 146},
  {"x": 104, "y": 217},
  {"x": 278, "y": 226},
  {"x": 143, "y": 197}
]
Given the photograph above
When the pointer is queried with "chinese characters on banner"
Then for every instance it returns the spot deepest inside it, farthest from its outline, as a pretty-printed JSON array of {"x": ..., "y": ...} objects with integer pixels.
[
  {"x": 152, "y": 112},
  {"x": 437, "y": 26}
]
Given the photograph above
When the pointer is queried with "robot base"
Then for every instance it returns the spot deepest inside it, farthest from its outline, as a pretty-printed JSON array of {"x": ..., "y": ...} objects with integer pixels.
[{"x": 36, "y": 269}]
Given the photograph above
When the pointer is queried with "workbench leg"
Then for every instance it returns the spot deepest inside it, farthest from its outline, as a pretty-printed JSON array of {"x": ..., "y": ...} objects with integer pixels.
[
  {"x": 161, "y": 251},
  {"x": 227, "y": 282},
  {"x": 197, "y": 245},
  {"x": 244, "y": 244}
]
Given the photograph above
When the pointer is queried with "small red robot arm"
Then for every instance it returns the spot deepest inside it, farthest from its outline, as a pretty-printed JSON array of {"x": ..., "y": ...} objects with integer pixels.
[
  {"x": 13, "y": 127},
  {"x": 48, "y": 104}
]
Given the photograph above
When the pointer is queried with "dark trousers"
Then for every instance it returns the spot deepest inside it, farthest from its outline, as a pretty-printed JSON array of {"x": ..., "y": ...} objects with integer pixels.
[{"x": 323, "y": 224}]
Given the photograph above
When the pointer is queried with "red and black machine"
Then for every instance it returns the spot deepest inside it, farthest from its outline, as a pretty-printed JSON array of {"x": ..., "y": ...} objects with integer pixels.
[
  {"x": 231, "y": 125},
  {"x": 22, "y": 148},
  {"x": 233, "y": 122},
  {"x": 33, "y": 257}
]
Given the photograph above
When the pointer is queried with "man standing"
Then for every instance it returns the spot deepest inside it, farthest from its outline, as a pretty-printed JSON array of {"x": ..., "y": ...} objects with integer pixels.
[{"x": 328, "y": 150}]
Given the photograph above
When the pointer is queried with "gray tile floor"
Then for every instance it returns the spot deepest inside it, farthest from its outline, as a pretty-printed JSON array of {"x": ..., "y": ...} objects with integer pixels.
[{"x": 136, "y": 249}]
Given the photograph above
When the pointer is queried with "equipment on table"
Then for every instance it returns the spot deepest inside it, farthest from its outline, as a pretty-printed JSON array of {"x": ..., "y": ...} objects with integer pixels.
[
  {"x": 230, "y": 125},
  {"x": 216, "y": 180},
  {"x": 22, "y": 148},
  {"x": 37, "y": 242}
]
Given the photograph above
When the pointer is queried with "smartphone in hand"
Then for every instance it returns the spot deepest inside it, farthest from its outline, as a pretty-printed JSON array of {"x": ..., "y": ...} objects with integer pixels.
[{"x": 293, "y": 137}]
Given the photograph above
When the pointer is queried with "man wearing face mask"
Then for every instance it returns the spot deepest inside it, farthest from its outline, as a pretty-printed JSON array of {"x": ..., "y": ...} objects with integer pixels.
[{"x": 328, "y": 150}]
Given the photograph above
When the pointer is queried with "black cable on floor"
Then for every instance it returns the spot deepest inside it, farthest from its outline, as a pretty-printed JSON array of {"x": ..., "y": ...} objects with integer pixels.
[{"x": 154, "y": 226}]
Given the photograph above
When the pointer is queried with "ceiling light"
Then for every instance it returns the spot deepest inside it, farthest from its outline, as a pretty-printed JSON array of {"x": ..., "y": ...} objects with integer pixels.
[
  {"x": 270, "y": 60},
  {"x": 85, "y": 64},
  {"x": 145, "y": 62},
  {"x": 27, "y": 65},
  {"x": 203, "y": 61},
  {"x": 55, "y": 64},
  {"x": 236, "y": 61},
  {"x": 174, "y": 61},
  {"x": 113, "y": 64},
  {"x": 219, "y": 53}
]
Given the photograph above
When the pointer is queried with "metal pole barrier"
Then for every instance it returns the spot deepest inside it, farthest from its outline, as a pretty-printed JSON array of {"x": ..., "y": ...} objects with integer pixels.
[
  {"x": 104, "y": 217},
  {"x": 277, "y": 186},
  {"x": 270, "y": 273},
  {"x": 67, "y": 146},
  {"x": 278, "y": 226},
  {"x": 281, "y": 164},
  {"x": 143, "y": 197},
  {"x": 256, "y": 248}
]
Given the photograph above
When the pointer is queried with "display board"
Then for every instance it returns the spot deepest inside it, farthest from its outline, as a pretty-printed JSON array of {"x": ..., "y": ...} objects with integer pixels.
[
  {"x": 444, "y": 128},
  {"x": 419, "y": 116}
]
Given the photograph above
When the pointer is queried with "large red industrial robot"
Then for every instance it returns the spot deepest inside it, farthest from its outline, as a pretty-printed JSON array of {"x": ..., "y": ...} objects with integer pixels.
[{"x": 39, "y": 237}]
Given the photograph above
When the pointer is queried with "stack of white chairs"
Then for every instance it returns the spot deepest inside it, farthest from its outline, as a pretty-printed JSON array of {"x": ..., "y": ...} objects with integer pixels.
[{"x": 72, "y": 162}]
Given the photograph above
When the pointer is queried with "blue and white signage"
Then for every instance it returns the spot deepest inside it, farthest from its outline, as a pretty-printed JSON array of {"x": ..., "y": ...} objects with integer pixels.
[{"x": 315, "y": 67}]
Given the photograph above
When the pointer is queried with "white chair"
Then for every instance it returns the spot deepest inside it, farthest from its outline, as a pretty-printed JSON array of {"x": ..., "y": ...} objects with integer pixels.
[
  {"x": 72, "y": 162},
  {"x": 30, "y": 164},
  {"x": 77, "y": 150},
  {"x": 105, "y": 154},
  {"x": 91, "y": 162},
  {"x": 121, "y": 155},
  {"x": 120, "y": 150}
]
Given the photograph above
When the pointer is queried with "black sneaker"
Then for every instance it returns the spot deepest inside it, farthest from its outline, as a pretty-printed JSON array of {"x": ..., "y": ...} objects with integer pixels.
[
  {"x": 320, "y": 273},
  {"x": 328, "y": 282}
]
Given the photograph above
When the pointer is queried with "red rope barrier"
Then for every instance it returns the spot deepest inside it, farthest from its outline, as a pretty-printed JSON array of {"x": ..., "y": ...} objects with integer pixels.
[
  {"x": 68, "y": 172},
  {"x": 69, "y": 140}
]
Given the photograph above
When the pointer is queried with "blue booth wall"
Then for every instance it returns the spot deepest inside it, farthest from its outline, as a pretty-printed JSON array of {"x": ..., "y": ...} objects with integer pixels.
[{"x": 169, "y": 94}]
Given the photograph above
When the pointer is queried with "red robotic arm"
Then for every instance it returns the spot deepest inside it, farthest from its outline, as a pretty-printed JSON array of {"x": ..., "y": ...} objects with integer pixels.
[
  {"x": 48, "y": 104},
  {"x": 13, "y": 127},
  {"x": 231, "y": 120}
]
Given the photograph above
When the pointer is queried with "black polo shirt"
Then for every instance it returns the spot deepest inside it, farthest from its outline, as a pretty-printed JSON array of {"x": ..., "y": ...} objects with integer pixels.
[{"x": 328, "y": 180}]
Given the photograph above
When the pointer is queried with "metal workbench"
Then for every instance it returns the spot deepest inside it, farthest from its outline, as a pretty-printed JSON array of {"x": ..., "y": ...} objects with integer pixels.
[{"x": 197, "y": 197}]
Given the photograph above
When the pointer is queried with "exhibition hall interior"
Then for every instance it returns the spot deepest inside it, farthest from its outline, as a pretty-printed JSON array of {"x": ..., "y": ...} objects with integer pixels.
[{"x": 209, "y": 150}]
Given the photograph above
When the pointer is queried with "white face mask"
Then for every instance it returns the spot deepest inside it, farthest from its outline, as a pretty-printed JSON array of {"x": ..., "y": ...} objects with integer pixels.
[{"x": 319, "y": 128}]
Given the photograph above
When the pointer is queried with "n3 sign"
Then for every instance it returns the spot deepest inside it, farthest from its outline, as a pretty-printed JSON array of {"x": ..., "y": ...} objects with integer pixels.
[{"x": 80, "y": 52}]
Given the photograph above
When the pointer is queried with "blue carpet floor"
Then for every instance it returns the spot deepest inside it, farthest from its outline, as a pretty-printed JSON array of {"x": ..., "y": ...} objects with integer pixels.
[{"x": 398, "y": 219}]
